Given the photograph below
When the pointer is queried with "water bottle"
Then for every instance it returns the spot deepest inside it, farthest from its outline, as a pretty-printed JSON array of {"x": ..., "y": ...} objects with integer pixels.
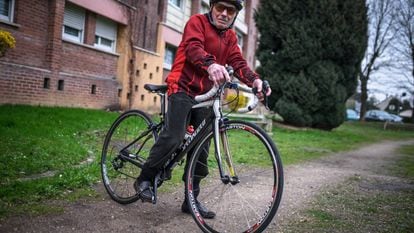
[{"x": 189, "y": 132}]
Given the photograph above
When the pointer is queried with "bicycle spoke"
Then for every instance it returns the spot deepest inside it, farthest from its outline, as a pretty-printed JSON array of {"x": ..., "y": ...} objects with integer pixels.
[
  {"x": 127, "y": 137},
  {"x": 250, "y": 203}
]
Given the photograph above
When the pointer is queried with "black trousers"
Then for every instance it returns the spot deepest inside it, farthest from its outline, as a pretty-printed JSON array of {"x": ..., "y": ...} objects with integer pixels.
[{"x": 178, "y": 116}]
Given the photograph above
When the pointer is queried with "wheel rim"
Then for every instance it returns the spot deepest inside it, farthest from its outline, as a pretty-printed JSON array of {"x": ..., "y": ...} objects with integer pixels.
[
  {"x": 118, "y": 174},
  {"x": 249, "y": 204}
]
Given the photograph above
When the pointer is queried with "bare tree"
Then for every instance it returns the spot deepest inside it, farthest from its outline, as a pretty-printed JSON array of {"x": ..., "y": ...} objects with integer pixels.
[
  {"x": 381, "y": 34},
  {"x": 405, "y": 47}
]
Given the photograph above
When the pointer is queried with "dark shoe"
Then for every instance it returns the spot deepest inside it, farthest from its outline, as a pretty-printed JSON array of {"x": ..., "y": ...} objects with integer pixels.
[
  {"x": 144, "y": 190},
  {"x": 204, "y": 212}
]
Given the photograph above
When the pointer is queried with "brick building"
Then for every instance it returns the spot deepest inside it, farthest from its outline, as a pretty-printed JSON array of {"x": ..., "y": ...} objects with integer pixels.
[{"x": 97, "y": 53}]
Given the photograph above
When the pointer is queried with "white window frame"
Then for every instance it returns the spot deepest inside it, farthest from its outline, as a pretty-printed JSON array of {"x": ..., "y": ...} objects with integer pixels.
[
  {"x": 169, "y": 60},
  {"x": 174, "y": 3},
  {"x": 240, "y": 39},
  {"x": 100, "y": 44},
  {"x": 205, "y": 7},
  {"x": 106, "y": 29},
  {"x": 78, "y": 15},
  {"x": 10, "y": 15}
]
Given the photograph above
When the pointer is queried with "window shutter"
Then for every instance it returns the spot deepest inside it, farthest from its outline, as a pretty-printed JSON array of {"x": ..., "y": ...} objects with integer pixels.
[
  {"x": 6, "y": 10},
  {"x": 106, "y": 28},
  {"x": 4, "y": 7},
  {"x": 74, "y": 17}
]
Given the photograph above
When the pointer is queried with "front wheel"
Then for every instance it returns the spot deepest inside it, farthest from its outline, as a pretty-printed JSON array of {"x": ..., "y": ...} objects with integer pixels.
[
  {"x": 126, "y": 147},
  {"x": 246, "y": 196}
]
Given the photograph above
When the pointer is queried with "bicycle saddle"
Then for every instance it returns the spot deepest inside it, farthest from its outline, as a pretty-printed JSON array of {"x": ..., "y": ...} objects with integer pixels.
[{"x": 156, "y": 88}]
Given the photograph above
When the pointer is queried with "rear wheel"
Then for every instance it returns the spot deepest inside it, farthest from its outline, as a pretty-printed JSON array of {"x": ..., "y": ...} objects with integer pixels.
[
  {"x": 126, "y": 147},
  {"x": 247, "y": 197}
]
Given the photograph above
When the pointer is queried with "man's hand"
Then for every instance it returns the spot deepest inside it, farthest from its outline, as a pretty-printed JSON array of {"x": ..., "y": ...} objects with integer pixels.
[
  {"x": 218, "y": 74},
  {"x": 258, "y": 83}
]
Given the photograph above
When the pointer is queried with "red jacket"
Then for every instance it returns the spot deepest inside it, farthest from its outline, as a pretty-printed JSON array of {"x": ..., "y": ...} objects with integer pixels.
[{"x": 202, "y": 45}]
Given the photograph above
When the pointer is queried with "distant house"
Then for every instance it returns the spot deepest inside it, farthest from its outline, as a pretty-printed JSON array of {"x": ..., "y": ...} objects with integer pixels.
[
  {"x": 383, "y": 105},
  {"x": 406, "y": 113}
]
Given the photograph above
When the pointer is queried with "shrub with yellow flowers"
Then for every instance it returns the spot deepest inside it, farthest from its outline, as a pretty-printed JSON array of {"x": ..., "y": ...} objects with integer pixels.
[{"x": 7, "y": 41}]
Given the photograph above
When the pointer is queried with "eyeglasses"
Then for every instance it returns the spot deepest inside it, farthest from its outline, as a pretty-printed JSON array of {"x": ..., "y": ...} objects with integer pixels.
[{"x": 220, "y": 8}]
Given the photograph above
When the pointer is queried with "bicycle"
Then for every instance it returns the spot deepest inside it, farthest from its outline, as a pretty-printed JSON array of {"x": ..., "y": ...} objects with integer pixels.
[{"x": 236, "y": 168}]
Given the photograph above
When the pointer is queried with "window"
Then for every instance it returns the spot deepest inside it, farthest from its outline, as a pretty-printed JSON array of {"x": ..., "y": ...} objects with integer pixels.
[
  {"x": 46, "y": 83},
  {"x": 240, "y": 39},
  {"x": 105, "y": 34},
  {"x": 205, "y": 7},
  {"x": 73, "y": 23},
  {"x": 169, "y": 56},
  {"x": 61, "y": 84},
  {"x": 93, "y": 89},
  {"x": 177, "y": 3},
  {"x": 6, "y": 10}
]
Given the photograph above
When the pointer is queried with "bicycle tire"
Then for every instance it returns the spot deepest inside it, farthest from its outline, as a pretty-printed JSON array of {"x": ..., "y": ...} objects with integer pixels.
[
  {"x": 118, "y": 174},
  {"x": 260, "y": 172}
]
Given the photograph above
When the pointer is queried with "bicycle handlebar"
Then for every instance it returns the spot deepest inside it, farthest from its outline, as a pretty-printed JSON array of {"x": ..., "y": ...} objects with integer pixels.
[{"x": 215, "y": 90}]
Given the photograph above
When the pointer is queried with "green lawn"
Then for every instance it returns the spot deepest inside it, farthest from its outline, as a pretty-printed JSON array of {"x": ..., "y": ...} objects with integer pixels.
[{"x": 36, "y": 140}]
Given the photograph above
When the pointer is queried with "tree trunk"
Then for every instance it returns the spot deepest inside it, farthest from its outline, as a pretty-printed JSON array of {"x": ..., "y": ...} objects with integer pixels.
[
  {"x": 412, "y": 75},
  {"x": 412, "y": 113},
  {"x": 364, "y": 97}
]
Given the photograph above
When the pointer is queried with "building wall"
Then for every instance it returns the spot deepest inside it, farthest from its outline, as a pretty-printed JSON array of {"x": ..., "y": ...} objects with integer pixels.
[
  {"x": 251, "y": 38},
  {"x": 142, "y": 60},
  {"x": 149, "y": 70},
  {"x": 30, "y": 73},
  {"x": 178, "y": 16}
]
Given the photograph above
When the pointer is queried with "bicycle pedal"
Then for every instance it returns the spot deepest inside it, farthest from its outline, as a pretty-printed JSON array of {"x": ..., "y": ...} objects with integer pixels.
[{"x": 145, "y": 199}]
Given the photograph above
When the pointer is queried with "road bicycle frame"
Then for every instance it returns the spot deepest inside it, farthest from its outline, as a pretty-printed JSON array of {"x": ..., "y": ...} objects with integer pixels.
[{"x": 213, "y": 122}]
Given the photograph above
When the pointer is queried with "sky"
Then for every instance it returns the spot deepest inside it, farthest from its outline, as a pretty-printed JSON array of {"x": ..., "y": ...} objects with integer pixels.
[{"x": 386, "y": 83}]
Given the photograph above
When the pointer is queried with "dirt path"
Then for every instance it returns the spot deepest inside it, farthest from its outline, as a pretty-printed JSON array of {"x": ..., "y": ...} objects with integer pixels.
[{"x": 302, "y": 182}]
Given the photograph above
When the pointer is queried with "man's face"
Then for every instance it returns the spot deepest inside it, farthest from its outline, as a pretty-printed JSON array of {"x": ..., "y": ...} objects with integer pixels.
[{"x": 223, "y": 14}]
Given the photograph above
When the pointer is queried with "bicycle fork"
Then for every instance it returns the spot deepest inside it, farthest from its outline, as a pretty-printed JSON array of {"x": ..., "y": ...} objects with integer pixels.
[{"x": 232, "y": 176}]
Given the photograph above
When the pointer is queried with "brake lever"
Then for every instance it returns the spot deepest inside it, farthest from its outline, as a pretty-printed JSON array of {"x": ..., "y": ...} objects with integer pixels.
[{"x": 265, "y": 87}]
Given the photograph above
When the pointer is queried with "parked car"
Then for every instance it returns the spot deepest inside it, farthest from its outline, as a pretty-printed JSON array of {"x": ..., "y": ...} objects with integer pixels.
[
  {"x": 378, "y": 115},
  {"x": 352, "y": 115},
  {"x": 396, "y": 118}
]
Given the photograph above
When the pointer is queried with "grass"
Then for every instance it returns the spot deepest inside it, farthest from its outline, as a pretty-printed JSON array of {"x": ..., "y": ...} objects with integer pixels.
[
  {"x": 405, "y": 165},
  {"x": 304, "y": 144},
  {"x": 36, "y": 140}
]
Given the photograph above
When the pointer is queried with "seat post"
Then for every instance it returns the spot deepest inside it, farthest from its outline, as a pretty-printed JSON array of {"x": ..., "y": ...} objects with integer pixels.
[{"x": 162, "y": 113}]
